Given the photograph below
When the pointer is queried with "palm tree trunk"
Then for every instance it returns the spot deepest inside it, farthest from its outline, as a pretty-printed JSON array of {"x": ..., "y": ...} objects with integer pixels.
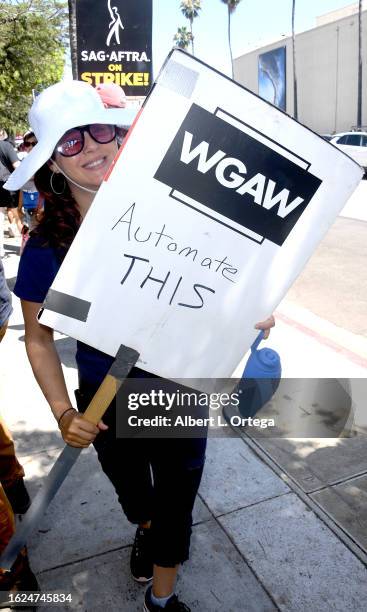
[
  {"x": 295, "y": 101},
  {"x": 73, "y": 38},
  {"x": 359, "y": 103},
  {"x": 192, "y": 38},
  {"x": 229, "y": 39}
]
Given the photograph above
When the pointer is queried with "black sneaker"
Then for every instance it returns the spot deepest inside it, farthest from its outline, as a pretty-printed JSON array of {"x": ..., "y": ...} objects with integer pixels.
[
  {"x": 18, "y": 497},
  {"x": 172, "y": 605},
  {"x": 141, "y": 564}
]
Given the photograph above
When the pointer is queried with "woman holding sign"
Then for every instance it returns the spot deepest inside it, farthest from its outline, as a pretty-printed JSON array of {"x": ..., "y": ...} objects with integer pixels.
[{"x": 77, "y": 143}]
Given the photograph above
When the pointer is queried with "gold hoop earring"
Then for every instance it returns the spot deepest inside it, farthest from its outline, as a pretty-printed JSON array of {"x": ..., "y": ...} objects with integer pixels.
[{"x": 52, "y": 185}]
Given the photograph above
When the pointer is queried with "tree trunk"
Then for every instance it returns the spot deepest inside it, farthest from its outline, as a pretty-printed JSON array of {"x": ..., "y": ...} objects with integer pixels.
[
  {"x": 359, "y": 103},
  {"x": 73, "y": 38},
  {"x": 295, "y": 101},
  {"x": 192, "y": 38},
  {"x": 229, "y": 39}
]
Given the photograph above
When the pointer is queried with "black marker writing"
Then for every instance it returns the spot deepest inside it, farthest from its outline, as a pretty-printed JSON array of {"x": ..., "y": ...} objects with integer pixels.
[
  {"x": 166, "y": 241},
  {"x": 149, "y": 280}
]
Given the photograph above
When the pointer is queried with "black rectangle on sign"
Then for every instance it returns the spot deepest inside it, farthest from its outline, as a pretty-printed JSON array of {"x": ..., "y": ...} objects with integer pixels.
[
  {"x": 236, "y": 175},
  {"x": 114, "y": 43},
  {"x": 67, "y": 305}
]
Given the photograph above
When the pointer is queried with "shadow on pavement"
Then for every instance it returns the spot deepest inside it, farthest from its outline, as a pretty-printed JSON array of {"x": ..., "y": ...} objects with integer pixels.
[
  {"x": 11, "y": 282},
  {"x": 11, "y": 249},
  {"x": 36, "y": 441},
  {"x": 16, "y": 327},
  {"x": 66, "y": 348}
]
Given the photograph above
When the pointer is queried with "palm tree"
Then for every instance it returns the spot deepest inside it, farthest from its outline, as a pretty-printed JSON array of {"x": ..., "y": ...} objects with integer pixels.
[
  {"x": 73, "y": 38},
  {"x": 295, "y": 101},
  {"x": 182, "y": 38},
  {"x": 231, "y": 5},
  {"x": 190, "y": 9},
  {"x": 359, "y": 102}
]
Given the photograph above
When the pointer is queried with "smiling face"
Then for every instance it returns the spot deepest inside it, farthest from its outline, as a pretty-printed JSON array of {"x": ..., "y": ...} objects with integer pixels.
[{"x": 88, "y": 167}]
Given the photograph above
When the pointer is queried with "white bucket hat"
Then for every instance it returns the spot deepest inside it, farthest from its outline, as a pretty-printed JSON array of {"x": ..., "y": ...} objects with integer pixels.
[{"x": 55, "y": 111}]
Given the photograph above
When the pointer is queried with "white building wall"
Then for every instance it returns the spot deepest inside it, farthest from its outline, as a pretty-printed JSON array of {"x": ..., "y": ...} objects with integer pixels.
[
  {"x": 327, "y": 73},
  {"x": 345, "y": 11}
]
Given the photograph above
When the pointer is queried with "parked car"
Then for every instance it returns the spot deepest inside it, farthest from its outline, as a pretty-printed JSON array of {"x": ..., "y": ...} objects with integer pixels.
[
  {"x": 353, "y": 144},
  {"x": 327, "y": 136}
]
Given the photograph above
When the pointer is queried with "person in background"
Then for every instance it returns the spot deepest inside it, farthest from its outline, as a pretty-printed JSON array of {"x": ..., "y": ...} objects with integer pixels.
[
  {"x": 112, "y": 95},
  {"x": 28, "y": 194},
  {"x": 5, "y": 303},
  {"x": 14, "y": 498},
  {"x": 156, "y": 480},
  {"x": 8, "y": 162},
  {"x": 8, "y": 200}
]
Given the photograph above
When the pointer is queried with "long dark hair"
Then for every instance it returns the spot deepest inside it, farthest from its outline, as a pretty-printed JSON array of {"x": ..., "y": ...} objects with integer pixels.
[{"x": 60, "y": 218}]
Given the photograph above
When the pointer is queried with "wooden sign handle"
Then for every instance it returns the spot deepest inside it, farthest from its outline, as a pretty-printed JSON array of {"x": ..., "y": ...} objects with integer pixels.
[
  {"x": 125, "y": 360},
  {"x": 102, "y": 399}
]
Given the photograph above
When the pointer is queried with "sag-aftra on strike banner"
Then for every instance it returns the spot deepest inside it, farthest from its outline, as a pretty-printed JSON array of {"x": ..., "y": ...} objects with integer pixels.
[
  {"x": 213, "y": 207},
  {"x": 114, "y": 43}
]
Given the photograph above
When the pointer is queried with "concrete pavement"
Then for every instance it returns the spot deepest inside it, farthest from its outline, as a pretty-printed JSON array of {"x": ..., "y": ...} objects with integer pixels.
[
  {"x": 279, "y": 524},
  {"x": 356, "y": 207}
]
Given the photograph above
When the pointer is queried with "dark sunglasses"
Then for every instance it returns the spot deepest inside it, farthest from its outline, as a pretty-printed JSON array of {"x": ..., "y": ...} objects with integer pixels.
[
  {"x": 72, "y": 141},
  {"x": 30, "y": 143}
]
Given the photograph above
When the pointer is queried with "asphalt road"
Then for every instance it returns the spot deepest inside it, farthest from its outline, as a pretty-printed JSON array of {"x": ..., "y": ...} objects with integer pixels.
[{"x": 334, "y": 283}]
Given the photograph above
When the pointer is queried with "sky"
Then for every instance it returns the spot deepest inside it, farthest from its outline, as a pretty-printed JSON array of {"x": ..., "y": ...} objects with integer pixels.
[{"x": 255, "y": 22}]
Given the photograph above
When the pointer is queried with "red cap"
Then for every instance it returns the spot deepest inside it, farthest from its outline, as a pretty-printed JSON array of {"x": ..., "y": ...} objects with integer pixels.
[{"x": 112, "y": 95}]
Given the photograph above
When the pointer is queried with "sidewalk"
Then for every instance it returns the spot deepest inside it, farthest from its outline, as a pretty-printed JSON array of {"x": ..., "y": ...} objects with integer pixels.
[{"x": 278, "y": 525}]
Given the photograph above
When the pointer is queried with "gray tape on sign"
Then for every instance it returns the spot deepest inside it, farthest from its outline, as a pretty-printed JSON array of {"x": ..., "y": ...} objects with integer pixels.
[
  {"x": 179, "y": 78},
  {"x": 67, "y": 305}
]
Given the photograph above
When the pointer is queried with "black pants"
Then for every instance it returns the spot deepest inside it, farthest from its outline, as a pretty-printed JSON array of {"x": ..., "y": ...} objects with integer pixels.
[{"x": 155, "y": 480}]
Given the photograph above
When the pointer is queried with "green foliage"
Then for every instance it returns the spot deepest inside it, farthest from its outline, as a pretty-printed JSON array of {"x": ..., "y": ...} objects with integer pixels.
[
  {"x": 190, "y": 9},
  {"x": 232, "y": 4},
  {"x": 182, "y": 38},
  {"x": 33, "y": 37}
]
